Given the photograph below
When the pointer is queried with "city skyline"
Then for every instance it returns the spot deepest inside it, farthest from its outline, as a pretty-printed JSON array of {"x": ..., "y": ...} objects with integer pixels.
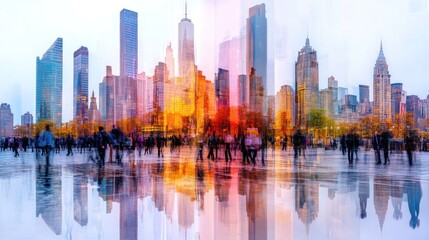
[{"x": 415, "y": 10}]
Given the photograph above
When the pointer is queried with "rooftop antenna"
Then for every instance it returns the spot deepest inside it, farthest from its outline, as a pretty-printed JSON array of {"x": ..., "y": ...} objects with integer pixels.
[{"x": 186, "y": 9}]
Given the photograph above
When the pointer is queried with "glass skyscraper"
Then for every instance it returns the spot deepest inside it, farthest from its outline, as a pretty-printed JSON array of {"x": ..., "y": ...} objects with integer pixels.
[
  {"x": 49, "y": 84},
  {"x": 129, "y": 44},
  {"x": 256, "y": 44},
  {"x": 80, "y": 84}
]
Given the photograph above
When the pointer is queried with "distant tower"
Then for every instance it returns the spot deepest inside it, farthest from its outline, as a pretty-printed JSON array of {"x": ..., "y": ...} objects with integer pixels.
[
  {"x": 49, "y": 84},
  {"x": 93, "y": 112},
  {"x": 382, "y": 88},
  {"x": 128, "y": 43},
  {"x": 306, "y": 83},
  {"x": 169, "y": 60},
  {"x": 80, "y": 84},
  {"x": 256, "y": 45}
]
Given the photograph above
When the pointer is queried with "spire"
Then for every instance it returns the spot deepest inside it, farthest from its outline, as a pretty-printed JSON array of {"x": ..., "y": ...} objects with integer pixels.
[
  {"x": 381, "y": 57},
  {"x": 307, "y": 42},
  {"x": 186, "y": 9},
  {"x": 93, "y": 93}
]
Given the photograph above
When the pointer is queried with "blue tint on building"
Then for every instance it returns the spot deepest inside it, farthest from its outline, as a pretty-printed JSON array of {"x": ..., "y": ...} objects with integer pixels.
[
  {"x": 257, "y": 47},
  {"x": 80, "y": 84},
  {"x": 128, "y": 44},
  {"x": 49, "y": 84}
]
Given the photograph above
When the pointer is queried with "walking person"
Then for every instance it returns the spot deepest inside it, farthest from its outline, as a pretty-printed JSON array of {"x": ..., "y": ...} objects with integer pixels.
[
  {"x": 296, "y": 141},
  {"x": 160, "y": 145},
  {"x": 244, "y": 153},
  {"x": 69, "y": 142},
  {"x": 228, "y": 140},
  {"x": 101, "y": 140},
  {"x": 410, "y": 146},
  {"x": 211, "y": 143},
  {"x": 376, "y": 146},
  {"x": 15, "y": 147},
  {"x": 385, "y": 137},
  {"x": 49, "y": 144}
]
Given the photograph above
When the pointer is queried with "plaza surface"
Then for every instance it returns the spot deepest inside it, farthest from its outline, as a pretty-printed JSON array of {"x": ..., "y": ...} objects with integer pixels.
[{"x": 319, "y": 196}]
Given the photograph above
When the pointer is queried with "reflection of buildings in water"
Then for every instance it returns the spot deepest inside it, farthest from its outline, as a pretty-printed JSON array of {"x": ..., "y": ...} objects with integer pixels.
[
  {"x": 80, "y": 199},
  {"x": 225, "y": 209},
  {"x": 186, "y": 211},
  {"x": 306, "y": 198},
  {"x": 257, "y": 204},
  {"x": 381, "y": 197},
  {"x": 243, "y": 191},
  {"x": 158, "y": 186},
  {"x": 49, "y": 197},
  {"x": 414, "y": 196},
  {"x": 396, "y": 194}
]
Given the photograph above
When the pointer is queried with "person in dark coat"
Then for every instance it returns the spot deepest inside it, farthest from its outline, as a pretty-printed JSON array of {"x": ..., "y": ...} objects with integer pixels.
[
  {"x": 297, "y": 142},
  {"x": 385, "y": 137},
  {"x": 410, "y": 146},
  {"x": 376, "y": 146},
  {"x": 69, "y": 142},
  {"x": 15, "y": 146},
  {"x": 101, "y": 140}
]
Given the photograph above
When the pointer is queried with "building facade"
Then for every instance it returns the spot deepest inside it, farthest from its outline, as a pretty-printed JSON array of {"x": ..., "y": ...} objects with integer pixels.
[
  {"x": 128, "y": 43},
  {"x": 306, "y": 83},
  {"x": 399, "y": 99},
  {"x": 27, "y": 119},
  {"x": 6, "y": 120},
  {"x": 80, "y": 84},
  {"x": 363, "y": 93},
  {"x": 382, "y": 89},
  {"x": 256, "y": 49},
  {"x": 222, "y": 89},
  {"x": 49, "y": 84}
]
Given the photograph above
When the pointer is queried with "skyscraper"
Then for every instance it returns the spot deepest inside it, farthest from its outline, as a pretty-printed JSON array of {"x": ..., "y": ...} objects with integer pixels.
[
  {"x": 80, "y": 84},
  {"x": 256, "y": 48},
  {"x": 27, "y": 119},
  {"x": 333, "y": 90},
  {"x": 93, "y": 112},
  {"x": 363, "y": 93},
  {"x": 6, "y": 120},
  {"x": 187, "y": 62},
  {"x": 306, "y": 83},
  {"x": 128, "y": 44},
  {"x": 222, "y": 89},
  {"x": 285, "y": 104},
  {"x": 382, "y": 94},
  {"x": 243, "y": 90},
  {"x": 169, "y": 60},
  {"x": 49, "y": 84},
  {"x": 399, "y": 98}
]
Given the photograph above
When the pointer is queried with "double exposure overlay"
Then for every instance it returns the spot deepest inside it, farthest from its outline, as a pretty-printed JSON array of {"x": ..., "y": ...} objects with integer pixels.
[{"x": 214, "y": 119}]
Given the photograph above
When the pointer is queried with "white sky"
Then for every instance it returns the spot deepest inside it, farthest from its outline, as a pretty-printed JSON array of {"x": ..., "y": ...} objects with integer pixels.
[{"x": 346, "y": 35}]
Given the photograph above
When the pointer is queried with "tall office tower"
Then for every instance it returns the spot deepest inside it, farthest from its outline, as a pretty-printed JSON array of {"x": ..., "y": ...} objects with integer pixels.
[
  {"x": 413, "y": 106},
  {"x": 382, "y": 94},
  {"x": 80, "y": 84},
  {"x": 256, "y": 49},
  {"x": 363, "y": 93},
  {"x": 256, "y": 93},
  {"x": 326, "y": 102},
  {"x": 243, "y": 90},
  {"x": 187, "y": 62},
  {"x": 285, "y": 105},
  {"x": 49, "y": 84},
  {"x": 229, "y": 59},
  {"x": 351, "y": 102},
  {"x": 6, "y": 120},
  {"x": 128, "y": 44},
  {"x": 306, "y": 83},
  {"x": 222, "y": 89},
  {"x": 108, "y": 97},
  {"x": 159, "y": 79},
  {"x": 333, "y": 90},
  {"x": 93, "y": 112},
  {"x": 27, "y": 119},
  {"x": 342, "y": 92},
  {"x": 399, "y": 99},
  {"x": 169, "y": 60},
  {"x": 141, "y": 94}
]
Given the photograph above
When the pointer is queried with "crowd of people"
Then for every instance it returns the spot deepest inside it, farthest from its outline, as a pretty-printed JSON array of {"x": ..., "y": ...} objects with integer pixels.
[{"x": 249, "y": 144}]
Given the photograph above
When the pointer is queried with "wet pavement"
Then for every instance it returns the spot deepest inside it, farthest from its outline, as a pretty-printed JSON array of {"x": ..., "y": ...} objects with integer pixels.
[{"x": 319, "y": 196}]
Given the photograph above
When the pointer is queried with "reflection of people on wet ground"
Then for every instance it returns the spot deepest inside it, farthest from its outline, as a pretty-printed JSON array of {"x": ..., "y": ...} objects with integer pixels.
[
  {"x": 414, "y": 195},
  {"x": 396, "y": 193},
  {"x": 363, "y": 194}
]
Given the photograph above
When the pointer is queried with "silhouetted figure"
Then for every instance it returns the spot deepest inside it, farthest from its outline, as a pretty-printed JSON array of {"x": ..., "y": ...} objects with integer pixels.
[
  {"x": 352, "y": 144},
  {"x": 343, "y": 144},
  {"x": 101, "y": 140},
  {"x": 69, "y": 143},
  {"x": 297, "y": 142},
  {"x": 385, "y": 137},
  {"x": 410, "y": 146},
  {"x": 15, "y": 147},
  {"x": 48, "y": 140},
  {"x": 211, "y": 143},
  {"x": 228, "y": 140},
  {"x": 376, "y": 146},
  {"x": 160, "y": 145}
]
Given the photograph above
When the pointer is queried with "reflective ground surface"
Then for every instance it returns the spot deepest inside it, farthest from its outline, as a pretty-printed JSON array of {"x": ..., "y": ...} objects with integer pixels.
[{"x": 319, "y": 196}]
